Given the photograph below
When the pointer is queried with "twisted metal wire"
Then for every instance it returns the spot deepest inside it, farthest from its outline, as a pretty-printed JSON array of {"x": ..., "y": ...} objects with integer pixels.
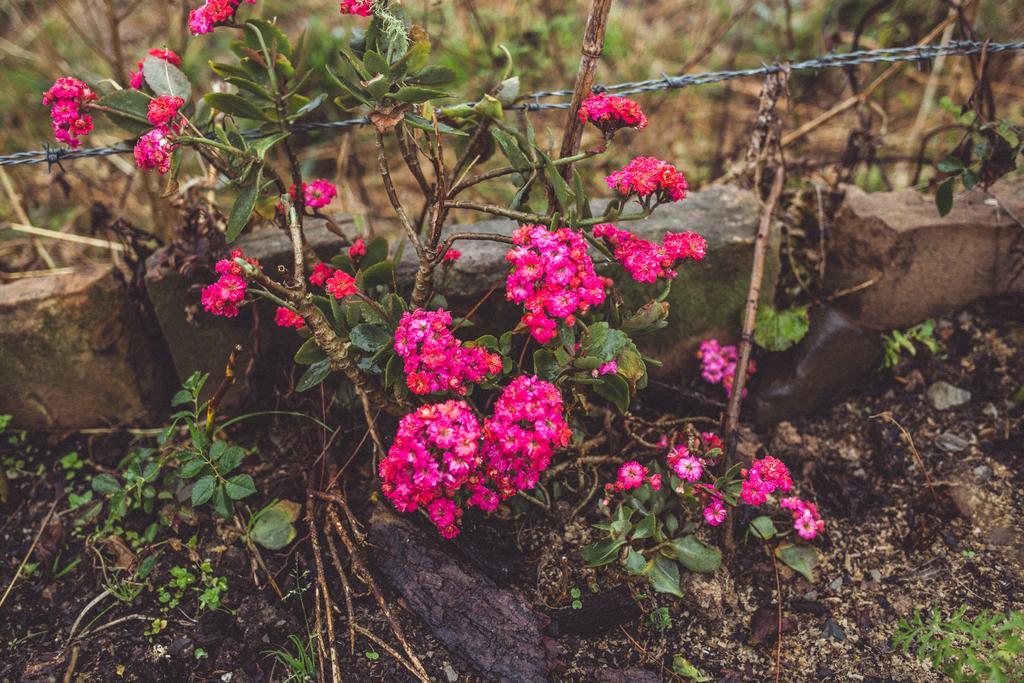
[{"x": 532, "y": 102}]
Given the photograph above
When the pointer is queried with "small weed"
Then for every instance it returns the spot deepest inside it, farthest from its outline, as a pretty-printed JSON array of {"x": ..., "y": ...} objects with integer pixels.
[
  {"x": 897, "y": 342},
  {"x": 575, "y": 593}
]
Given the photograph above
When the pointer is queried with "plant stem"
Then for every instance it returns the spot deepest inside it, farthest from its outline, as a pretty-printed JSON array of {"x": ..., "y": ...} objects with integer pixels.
[{"x": 593, "y": 46}]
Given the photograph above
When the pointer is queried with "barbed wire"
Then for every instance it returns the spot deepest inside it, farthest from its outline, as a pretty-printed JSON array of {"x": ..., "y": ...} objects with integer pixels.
[{"x": 532, "y": 102}]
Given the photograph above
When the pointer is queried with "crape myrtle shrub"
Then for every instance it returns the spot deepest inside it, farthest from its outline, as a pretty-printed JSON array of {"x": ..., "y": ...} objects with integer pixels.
[{"x": 479, "y": 420}]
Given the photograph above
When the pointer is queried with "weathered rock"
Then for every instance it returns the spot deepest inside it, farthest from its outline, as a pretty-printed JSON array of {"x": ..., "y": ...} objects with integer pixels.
[
  {"x": 923, "y": 265},
  {"x": 74, "y": 353},
  {"x": 706, "y": 299},
  {"x": 951, "y": 443},
  {"x": 835, "y": 355},
  {"x": 198, "y": 341},
  {"x": 943, "y": 396},
  {"x": 492, "y": 628}
]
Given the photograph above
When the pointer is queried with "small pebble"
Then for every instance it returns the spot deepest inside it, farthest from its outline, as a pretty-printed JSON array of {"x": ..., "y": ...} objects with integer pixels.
[
  {"x": 982, "y": 472},
  {"x": 951, "y": 443},
  {"x": 450, "y": 673},
  {"x": 836, "y": 584},
  {"x": 943, "y": 396},
  {"x": 991, "y": 411}
]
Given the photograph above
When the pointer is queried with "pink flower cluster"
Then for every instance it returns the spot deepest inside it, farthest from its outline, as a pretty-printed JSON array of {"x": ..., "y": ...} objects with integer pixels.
[
  {"x": 610, "y": 113},
  {"x": 163, "y": 110},
  {"x": 647, "y": 261},
  {"x": 806, "y": 519},
  {"x": 519, "y": 440},
  {"x": 223, "y": 296},
  {"x": 435, "y": 453},
  {"x": 553, "y": 276},
  {"x": 203, "y": 19},
  {"x": 361, "y": 8},
  {"x": 357, "y": 250},
  {"x": 687, "y": 466},
  {"x": 340, "y": 285},
  {"x": 153, "y": 151},
  {"x": 286, "y": 317},
  {"x": 316, "y": 194},
  {"x": 718, "y": 364},
  {"x": 646, "y": 176},
  {"x": 138, "y": 77},
  {"x": 765, "y": 476},
  {"x": 632, "y": 475},
  {"x": 66, "y": 99},
  {"x": 442, "y": 460},
  {"x": 321, "y": 272},
  {"x": 435, "y": 361}
]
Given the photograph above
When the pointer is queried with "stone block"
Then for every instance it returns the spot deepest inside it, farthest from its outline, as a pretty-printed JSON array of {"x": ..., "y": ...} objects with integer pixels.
[
  {"x": 921, "y": 265},
  {"x": 198, "y": 341},
  {"x": 74, "y": 353}
]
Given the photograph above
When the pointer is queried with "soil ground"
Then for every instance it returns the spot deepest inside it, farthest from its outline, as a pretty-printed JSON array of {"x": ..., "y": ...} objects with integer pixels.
[{"x": 891, "y": 546}]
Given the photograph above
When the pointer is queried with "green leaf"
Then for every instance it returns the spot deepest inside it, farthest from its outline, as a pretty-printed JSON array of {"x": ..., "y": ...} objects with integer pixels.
[
  {"x": 415, "y": 94},
  {"x": 645, "y": 528},
  {"x": 696, "y": 555},
  {"x": 202, "y": 489},
  {"x": 951, "y": 165},
  {"x": 370, "y": 338},
  {"x": 105, "y": 484},
  {"x": 601, "y": 552},
  {"x": 244, "y": 206},
  {"x": 375, "y": 63},
  {"x": 240, "y": 486},
  {"x": 682, "y": 667},
  {"x": 763, "y": 527},
  {"x": 314, "y": 375},
  {"x": 565, "y": 197},
  {"x": 128, "y": 109},
  {"x": 663, "y": 574},
  {"x": 376, "y": 251},
  {"x": 234, "y": 105},
  {"x": 191, "y": 468},
  {"x": 378, "y": 274},
  {"x": 423, "y": 124},
  {"x": 635, "y": 563},
  {"x": 944, "y": 197},
  {"x": 274, "y": 527},
  {"x": 231, "y": 458},
  {"x": 615, "y": 390},
  {"x": 274, "y": 37},
  {"x": 309, "y": 353},
  {"x": 434, "y": 75},
  {"x": 545, "y": 365},
  {"x": 779, "y": 330},
  {"x": 800, "y": 558},
  {"x": 166, "y": 79},
  {"x": 222, "y": 503},
  {"x": 261, "y": 146}
]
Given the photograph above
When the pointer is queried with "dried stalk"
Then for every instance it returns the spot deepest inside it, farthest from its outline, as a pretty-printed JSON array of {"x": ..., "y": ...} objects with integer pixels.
[{"x": 593, "y": 46}]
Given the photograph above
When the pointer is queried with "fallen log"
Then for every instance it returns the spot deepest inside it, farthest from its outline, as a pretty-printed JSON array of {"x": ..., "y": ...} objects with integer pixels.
[{"x": 494, "y": 629}]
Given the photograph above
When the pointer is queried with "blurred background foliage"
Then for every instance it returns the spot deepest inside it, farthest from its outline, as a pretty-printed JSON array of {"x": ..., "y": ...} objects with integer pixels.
[{"x": 700, "y": 128}]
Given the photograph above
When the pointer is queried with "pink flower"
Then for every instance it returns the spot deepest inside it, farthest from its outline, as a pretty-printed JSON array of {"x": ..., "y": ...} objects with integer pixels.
[
  {"x": 222, "y": 297},
  {"x": 434, "y": 360},
  {"x": 631, "y": 476},
  {"x": 163, "y": 110},
  {"x": 435, "y": 454},
  {"x": 553, "y": 277},
  {"x": 321, "y": 272},
  {"x": 686, "y": 467},
  {"x": 358, "y": 249},
  {"x": 610, "y": 113},
  {"x": 714, "y": 514},
  {"x": 765, "y": 476},
  {"x": 608, "y": 368},
  {"x": 647, "y": 176},
  {"x": 646, "y": 261},
  {"x": 711, "y": 441},
  {"x": 341, "y": 285},
  {"x": 655, "y": 481},
  {"x": 153, "y": 151},
  {"x": 521, "y": 437},
  {"x": 316, "y": 194},
  {"x": 138, "y": 76},
  {"x": 718, "y": 364},
  {"x": 229, "y": 266},
  {"x": 67, "y": 99},
  {"x": 204, "y": 18},
  {"x": 286, "y": 317},
  {"x": 362, "y": 8},
  {"x": 451, "y": 256},
  {"x": 806, "y": 519}
]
